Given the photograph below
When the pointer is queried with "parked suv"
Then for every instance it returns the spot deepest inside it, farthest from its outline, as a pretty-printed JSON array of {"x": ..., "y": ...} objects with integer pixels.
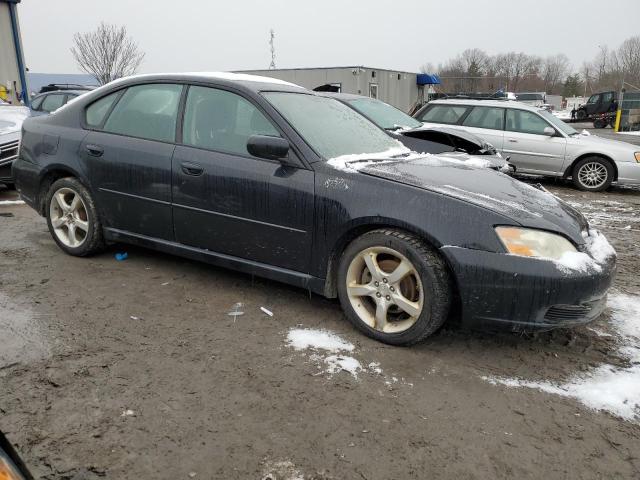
[
  {"x": 539, "y": 143},
  {"x": 602, "y": 102},
  {"x": 50, "y": 101}
]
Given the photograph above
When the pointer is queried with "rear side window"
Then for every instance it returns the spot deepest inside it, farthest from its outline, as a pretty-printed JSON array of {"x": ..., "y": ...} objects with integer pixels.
[
  {"x": 219, "y": 120},
  {"x": 146, "y": 111},
  {"x": 97, "y": 111},
  {"x": 35, "y": 104},
  {"x": 485, "y": 117},
  {"x": 52, "y": 102},
  {"x": 525, "y": 122},
  {"x": 449, "y": 114}
]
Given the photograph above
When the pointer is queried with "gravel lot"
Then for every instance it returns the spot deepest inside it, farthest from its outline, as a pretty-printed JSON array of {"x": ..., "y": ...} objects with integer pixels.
[{"x": 134, "y": 369}]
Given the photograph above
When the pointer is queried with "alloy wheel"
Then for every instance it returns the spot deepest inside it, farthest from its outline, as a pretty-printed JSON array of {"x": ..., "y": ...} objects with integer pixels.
[
  {"x": 68, "y": 215},
  {"x": 384, "y": 289},
  {"x": 592, "y": 174}
]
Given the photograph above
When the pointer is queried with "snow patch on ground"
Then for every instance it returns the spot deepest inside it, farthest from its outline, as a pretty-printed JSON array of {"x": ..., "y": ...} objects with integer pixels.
[
  {"x": 609, "y": 388},
  {"x": 333, "y": 355},
  {"x": 630, "y": 133},
  {"x": 11, "y": 202},
  {"x": 477, "y": 163},
  {"x": 303, "y": 338}
]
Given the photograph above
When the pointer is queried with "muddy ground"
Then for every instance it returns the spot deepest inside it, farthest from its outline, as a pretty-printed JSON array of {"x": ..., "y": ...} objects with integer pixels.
[{"x": 134, "y": 370}]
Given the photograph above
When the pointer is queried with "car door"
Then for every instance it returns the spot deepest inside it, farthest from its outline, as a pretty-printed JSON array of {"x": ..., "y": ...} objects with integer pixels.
[
  {"x": 227, "y": 201},
  {"x": 487, "y": 123},
  {"x": 127, "y": 155},
  {"x": 529, "y": 147}
]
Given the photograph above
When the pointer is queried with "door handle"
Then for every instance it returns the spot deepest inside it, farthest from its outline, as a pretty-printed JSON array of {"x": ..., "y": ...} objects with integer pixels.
[
  {"x": 192, "y": 169},
  {"x": 94, "y": 150},
  {"x": 512, "y": 140}
]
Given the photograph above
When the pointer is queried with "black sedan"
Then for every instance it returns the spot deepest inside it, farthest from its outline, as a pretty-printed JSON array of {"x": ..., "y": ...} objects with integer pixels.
[
  {"x": 268, "y": 178},
  {"x": 458, "y": 145}
]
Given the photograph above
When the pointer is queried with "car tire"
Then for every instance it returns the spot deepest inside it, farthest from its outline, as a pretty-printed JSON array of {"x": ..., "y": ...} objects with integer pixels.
[
  {"x": 592, "y": 174},
  {"x": 72, "y": 218},
  {"x": 408, "y": 296},
  {"x": 599, "y": 123},
  {"x": 581, "y": 114}
]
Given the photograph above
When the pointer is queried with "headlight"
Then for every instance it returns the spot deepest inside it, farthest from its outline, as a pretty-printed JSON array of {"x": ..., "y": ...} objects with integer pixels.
[
  {"x": 534, "y": 243},
  {"x": 637, "y": 155}
]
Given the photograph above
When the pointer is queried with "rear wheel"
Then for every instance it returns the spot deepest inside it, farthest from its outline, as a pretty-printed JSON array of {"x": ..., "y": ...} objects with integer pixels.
[
  {"x": 72, "y": 218},
  {"x": 593, "y": 174},
  {"x": 393, "y": 287},
  {"x": 581, "y": 114}
]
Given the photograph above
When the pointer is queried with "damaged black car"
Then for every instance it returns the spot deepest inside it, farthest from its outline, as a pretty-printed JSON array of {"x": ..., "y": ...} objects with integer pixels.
[{"x": 268, "y": 178}]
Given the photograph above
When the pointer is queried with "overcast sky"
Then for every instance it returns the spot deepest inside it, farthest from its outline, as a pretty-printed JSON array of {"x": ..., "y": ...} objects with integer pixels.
[{"x": 203, "y": 35}]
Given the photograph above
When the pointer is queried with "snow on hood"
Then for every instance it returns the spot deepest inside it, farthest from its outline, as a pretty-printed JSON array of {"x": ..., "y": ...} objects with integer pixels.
[
  {"x": 11, "y": 118},
  {"x": 527, "y": 205}
]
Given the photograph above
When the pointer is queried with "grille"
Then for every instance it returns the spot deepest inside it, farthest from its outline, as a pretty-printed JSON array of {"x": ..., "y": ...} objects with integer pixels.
[
  {"x": 567, "y": 312},
  {"x": 9, "y": 151}
]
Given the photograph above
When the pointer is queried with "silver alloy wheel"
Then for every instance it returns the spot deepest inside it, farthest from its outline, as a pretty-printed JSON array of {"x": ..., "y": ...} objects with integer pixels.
[
  {"x": 68, "y": 216},
  {"x": 592, "y": 174},
  {"x": 384, "y": 289}
]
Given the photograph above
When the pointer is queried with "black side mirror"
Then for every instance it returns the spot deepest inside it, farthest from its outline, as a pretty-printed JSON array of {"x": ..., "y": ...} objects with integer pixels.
[{"x": 271, "y": 148}]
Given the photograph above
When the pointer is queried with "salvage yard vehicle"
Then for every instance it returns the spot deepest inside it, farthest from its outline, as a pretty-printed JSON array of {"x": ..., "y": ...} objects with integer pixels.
[
  {"x": 268, "y": 178},
  {"x": 455, "y": 144},
  {"x": 11, "y": 465},
  {"x": 539, "y": 143},
  {"x": 50, "y": 101},
  {"x": 11, "y": 118},
  {"x": 598, "y": 103}
]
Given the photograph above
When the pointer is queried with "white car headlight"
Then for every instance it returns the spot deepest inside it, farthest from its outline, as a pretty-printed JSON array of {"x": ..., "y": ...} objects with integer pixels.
[{"x": 528, "y": 242}]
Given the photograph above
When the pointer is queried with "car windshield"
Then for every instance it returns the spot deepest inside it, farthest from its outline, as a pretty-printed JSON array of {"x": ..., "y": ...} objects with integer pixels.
[
  {"x": 330, "y": 127},
  {"x": 383, "y": 115},
  {"x": 556, "y": 122}
]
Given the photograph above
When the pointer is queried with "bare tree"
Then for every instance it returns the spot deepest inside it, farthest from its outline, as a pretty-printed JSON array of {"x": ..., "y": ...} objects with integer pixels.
[
  {"x": 629, "y": 58},
  {"x": 107, "y": 53},
  {"x": 554, "y": 72}
]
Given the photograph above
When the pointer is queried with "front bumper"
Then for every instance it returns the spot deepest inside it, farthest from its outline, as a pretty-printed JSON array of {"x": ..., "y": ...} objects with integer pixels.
[
  {"x": 628, "y": 173},
  {"x": 525, "y": 293}
]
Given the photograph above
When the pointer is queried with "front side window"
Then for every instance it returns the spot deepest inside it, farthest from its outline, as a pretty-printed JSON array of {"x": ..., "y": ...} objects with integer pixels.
[
  {"x": 449, "y": 114},
  {"x": 220, "y": 120},
  {"x": 330, "y": 127},
  {"x": 147, "y": 111},
  {"x": 97, "y": 111},
  {"x": 485, "y": 117},
  {"x": 52, "y": 102},
  {"x": 525, "y": 122},
  {"x": 383, "y": 114},
  {"x": 593, "y": 99}
]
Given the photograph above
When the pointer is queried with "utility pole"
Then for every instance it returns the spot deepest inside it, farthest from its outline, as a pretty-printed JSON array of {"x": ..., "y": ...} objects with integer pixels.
[{"x": 272, "y": 66}]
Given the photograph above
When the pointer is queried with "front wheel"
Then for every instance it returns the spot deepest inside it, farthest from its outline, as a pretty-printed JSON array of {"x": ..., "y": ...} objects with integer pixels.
[
  {"x": 592, "y": 174},
  {"x": 581, "y": 114},
  {"x": 72, "y": 218},
  {"x": 393, "y": 287}
]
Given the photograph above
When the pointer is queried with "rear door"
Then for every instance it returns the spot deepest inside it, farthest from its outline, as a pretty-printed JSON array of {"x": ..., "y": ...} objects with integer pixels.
[
  {"x": 487, "y": 123},
  {"x": 128, "y": 154},
  {"x": 530, "y": 149},
  {"x": 227, "y": 201}
]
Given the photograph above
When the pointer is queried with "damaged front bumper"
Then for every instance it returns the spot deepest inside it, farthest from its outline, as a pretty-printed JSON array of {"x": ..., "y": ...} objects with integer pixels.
[{"x": 523, "y": 293}]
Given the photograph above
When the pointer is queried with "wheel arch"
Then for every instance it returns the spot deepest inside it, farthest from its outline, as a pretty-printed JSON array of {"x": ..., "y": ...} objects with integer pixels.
[
  {"x": 569, "y": 170},
  {"x": 47, "y": 177},
  {"x": 360, "y": 227}
]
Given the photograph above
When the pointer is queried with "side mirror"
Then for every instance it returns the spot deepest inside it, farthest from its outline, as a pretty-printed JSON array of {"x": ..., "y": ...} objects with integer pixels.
[
  {"x": 271, "y": 148},
  {"x": 550, "y": 131}
]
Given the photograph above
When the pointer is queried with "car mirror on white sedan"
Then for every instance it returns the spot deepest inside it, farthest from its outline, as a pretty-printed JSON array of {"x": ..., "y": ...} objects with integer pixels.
[{"x": 550, "y": 131}]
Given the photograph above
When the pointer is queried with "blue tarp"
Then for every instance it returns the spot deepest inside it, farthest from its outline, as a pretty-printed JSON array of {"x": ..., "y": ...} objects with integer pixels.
[{"x": 427, "y": 79}]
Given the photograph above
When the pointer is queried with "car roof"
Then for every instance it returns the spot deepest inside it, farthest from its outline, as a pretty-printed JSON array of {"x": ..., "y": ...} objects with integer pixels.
[
  {"x": 486, "y": 103},
  {"x": 61, "y": 92},
  {"x": 251, "y": 82},
  {"x": 344, "y": 96}
]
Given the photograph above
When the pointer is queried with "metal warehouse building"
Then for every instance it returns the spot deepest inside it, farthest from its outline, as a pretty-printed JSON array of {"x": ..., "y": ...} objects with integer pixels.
[{"x": 401, "y": 89}]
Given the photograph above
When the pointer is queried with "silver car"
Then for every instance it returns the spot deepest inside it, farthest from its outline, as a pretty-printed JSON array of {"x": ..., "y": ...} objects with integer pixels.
[{"x": 538, "y": 143}]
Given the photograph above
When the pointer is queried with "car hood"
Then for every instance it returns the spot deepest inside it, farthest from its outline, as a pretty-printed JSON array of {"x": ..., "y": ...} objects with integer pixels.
[
  {"x": 11, "y": 118},
  {"x": 527, "y": 205}
]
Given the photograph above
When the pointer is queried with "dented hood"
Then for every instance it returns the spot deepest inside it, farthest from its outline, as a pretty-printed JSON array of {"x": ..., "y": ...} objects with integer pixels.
[{"x": 527, "y": 205}]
